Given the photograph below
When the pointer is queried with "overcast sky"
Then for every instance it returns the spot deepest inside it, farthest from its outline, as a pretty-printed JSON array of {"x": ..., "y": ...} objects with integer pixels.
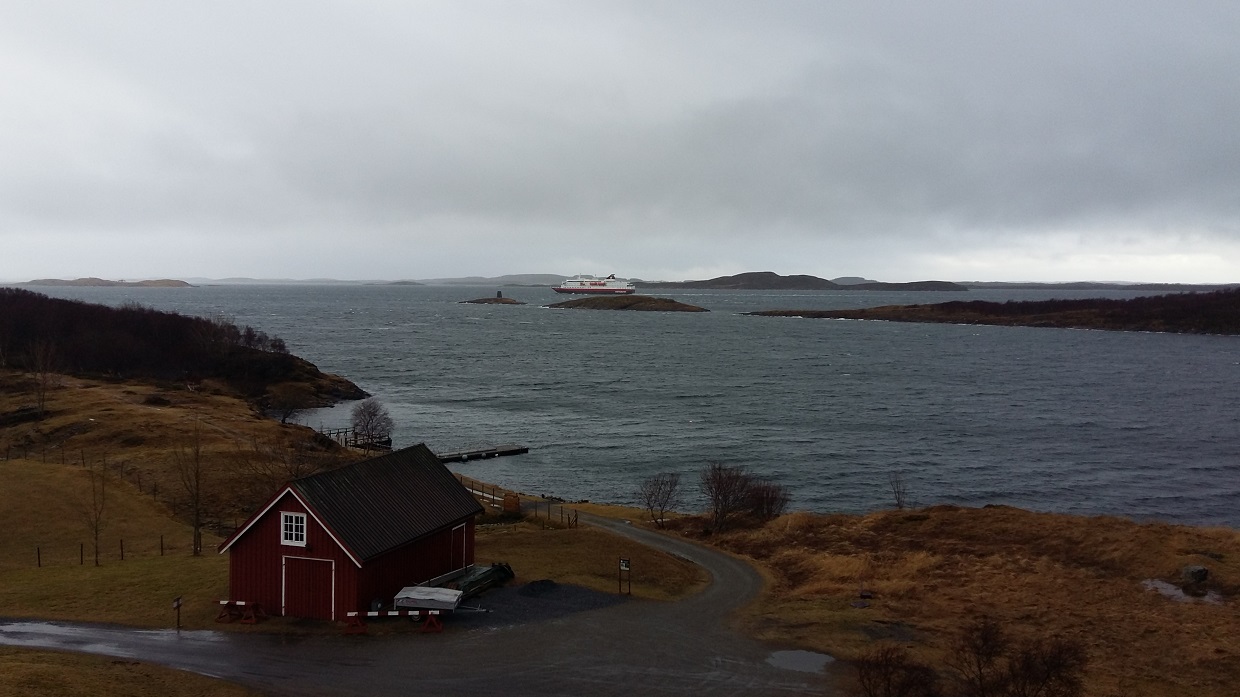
[{"x": 668, "y": 140}]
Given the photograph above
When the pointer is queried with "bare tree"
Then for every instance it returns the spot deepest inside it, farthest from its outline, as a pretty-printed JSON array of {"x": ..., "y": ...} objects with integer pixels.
[
  {"x": 43, "y": 363},
  {"x": 1047, "y": 668},
  {"x": 92, "y": 505},
  {"x": 977, "y": 659},
  {"x": 767, "y": 500},
  {"x": 290, "y": 399},
  {"x": 659, "y": 494},
  {"x": 372, "y": 422},
  {"x": 189, "y": 467},
  {"x": 261, "y": 469},
  {"x": 727, "y": 492},
  {"x": 899, "y": 490}
]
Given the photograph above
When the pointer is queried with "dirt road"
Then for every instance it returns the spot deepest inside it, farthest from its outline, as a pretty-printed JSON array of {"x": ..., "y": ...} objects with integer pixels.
[{"x": 562, "y": 641}]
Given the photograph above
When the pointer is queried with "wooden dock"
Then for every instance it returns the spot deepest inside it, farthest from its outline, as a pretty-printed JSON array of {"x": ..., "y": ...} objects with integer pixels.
[{"x": 483, "y": 453}]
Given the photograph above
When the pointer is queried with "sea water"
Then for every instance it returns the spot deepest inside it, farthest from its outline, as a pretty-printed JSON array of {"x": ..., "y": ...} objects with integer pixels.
[{"x": 1127, "y": 423}]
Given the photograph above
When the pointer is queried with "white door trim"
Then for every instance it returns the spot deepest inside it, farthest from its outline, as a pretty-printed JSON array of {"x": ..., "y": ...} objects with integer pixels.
[{"x": 284, "y": 581}]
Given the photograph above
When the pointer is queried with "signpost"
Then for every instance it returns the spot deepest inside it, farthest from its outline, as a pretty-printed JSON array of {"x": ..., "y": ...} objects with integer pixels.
[
  {"x": 624, "y": 574},
  {"x": 176, "y": 605}
]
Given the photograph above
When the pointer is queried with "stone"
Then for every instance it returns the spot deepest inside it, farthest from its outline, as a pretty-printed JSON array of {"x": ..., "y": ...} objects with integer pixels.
[{"x": 1195, "y": 574}]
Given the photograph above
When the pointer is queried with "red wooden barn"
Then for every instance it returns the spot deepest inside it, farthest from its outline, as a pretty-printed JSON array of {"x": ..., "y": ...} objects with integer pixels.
[{"x": 335, "y": 542}]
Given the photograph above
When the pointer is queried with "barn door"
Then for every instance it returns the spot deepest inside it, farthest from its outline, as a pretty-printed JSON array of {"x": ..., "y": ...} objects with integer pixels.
[
  {"x": 309, "y": 588},
  {"x": 458, "y": 548}
]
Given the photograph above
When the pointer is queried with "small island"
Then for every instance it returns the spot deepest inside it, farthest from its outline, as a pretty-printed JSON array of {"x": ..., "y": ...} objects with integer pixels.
[
  {"x": 641, "y": 303},
  {"x": 1215, "y": 312},
  {"x": 497, "y": 300}
]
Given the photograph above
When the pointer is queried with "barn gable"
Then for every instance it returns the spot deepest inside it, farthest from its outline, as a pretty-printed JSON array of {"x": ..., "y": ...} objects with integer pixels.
[{"x": 374, "y": 506}]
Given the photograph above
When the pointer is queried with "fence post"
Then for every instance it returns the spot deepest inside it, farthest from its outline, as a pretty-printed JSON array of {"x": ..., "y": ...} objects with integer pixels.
[
  {"x": 81, "y": 553},
  {"x": 122, "y": 550},
  {"x": 161, "y": 545},
  {"x": 38, "y": 555}
]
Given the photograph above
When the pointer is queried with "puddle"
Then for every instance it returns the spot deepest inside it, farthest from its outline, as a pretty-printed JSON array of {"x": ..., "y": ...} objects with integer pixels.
[
  {"x": 803, "y": 661},
  {"x": 1170, "y": 590}
]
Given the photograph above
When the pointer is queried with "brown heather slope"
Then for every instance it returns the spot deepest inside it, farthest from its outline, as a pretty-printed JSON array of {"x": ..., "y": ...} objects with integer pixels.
[
  {"x": 932, "y": 571},
  {"x": 141, "y": 429}
]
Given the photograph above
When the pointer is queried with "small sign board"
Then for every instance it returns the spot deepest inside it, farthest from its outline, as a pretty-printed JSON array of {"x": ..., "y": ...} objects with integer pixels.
[
  {"x": 176, "y": 603},
  {"x": 624, "y": 564}
]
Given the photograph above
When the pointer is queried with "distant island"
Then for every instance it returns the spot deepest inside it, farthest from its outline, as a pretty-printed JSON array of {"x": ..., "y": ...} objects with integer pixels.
[
  {"x": 769, "y": 280},
  {"x": 1215, "y": 312},
  {"x": 492, "y": 301},
  {"x": 641, "y": 303},
  {"x": 157, "y": 283}
]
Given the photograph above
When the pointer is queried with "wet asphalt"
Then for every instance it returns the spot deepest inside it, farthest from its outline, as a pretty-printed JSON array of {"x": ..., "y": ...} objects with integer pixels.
[{"x": 545, "y": 640}]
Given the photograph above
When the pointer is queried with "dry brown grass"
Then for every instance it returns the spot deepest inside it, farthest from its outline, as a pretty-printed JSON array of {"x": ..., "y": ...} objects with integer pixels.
[
  {"x": 24, "y": 673},
  {"x": 1039, "y": 574},
  {"x": 140, "y": 429}
]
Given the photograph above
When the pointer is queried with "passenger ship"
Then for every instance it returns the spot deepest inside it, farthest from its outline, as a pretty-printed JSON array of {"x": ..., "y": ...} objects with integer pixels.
[{"x": 595, "y": 286}]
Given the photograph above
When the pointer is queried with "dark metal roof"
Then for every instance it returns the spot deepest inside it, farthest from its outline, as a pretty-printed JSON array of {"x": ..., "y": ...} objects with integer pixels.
[{"x": 385, "y": 502}]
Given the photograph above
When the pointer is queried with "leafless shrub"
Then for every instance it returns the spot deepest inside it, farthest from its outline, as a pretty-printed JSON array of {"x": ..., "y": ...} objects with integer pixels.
[
  {"x": 659, "y": 494},
  {"x": 984, "y": 662},
  {"x": 899, "y": 490},
  {"x": 1047, "y": 668},
  {"x": 891, "y": 672},
  {"x": 767, "y": 500},
  {"x": 976, "y": 661},
  {"x": 727, "y": 492}
]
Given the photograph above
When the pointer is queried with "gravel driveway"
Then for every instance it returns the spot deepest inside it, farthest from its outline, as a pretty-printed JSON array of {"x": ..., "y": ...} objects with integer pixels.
[{"x": 540, "y": 641}]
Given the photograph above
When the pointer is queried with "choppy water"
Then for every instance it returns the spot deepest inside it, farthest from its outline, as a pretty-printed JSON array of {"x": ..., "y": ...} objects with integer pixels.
[{"x": 1134, "y": 424}]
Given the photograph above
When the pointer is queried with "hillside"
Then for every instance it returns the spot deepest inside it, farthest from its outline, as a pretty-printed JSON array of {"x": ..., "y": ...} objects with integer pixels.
[
  {"x": 52, "y": 335},
  {"x": 1216, "y": 312},
  {"x": 1111, "y": 584}
]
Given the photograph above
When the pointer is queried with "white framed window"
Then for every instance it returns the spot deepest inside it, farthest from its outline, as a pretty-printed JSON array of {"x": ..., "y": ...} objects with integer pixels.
[{"x": 293, "y": 529}]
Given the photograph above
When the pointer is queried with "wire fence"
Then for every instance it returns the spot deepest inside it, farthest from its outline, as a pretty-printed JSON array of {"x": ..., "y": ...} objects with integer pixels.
[{"x": 112, "y": 550}]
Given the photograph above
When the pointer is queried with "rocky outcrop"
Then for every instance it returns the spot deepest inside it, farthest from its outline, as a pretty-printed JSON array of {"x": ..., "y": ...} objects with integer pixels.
[
  {"x": 641, "y": 303},
  {"x": 492, "y": 301}
]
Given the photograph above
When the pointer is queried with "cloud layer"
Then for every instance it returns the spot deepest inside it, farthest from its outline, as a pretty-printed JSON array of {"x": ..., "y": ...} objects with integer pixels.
[{"x": 962, "y": 140}]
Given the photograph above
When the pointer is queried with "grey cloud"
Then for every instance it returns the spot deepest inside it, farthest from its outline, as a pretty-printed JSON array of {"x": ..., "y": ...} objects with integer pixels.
[{"x": 940, "y": 126}]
